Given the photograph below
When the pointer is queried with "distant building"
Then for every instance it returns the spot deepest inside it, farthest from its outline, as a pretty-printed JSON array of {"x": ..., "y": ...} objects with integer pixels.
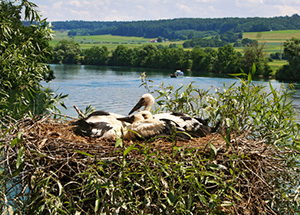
[{"x": 156, "y": 40}]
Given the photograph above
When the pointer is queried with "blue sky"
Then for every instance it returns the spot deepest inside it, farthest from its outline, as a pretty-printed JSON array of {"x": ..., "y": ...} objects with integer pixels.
[{"x": 131, "y": 10}]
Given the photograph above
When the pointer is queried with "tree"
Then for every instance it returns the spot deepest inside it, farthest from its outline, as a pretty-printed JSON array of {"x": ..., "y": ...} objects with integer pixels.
[
  {"x": 122, "y": 56},
  {"x": 173, "y": 58},
  {"x": 146, "y": 56},
  {"x": 67, "y": 52},
  {"x": 227, "y": 60},
  {"x": 24, "y": 53},
  {"x": 159, "y": 39},
  {"x": 229, "y": 37},
  {"x": 292, "y": 52},
  {"x": 247, "y": 41},
  {"x": 95, "y": 55},
  {"x": 173, "y": 45},
  {"x": 253, "y": 54},
  {"x": 191, "y": 35},
  {"x": 198, "y": 57}
]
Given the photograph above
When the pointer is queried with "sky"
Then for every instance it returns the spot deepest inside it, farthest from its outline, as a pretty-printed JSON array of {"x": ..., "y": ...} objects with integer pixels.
[{"x": 134, "y": 10}]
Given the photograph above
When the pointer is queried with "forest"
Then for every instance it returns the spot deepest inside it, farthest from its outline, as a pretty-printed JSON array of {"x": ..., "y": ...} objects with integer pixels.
[{"x": 179, "y": 28}]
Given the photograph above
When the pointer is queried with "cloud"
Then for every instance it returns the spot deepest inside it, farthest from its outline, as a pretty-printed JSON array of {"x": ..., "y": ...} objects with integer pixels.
[
  {"x": 288, "y": 10},
  {"x": 128, "y": 10}
]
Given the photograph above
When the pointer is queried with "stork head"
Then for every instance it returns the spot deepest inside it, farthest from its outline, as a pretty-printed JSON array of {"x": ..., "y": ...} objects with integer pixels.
[
  {"x": 147, "y": 100},
  {"x": 142, "y": 115}
]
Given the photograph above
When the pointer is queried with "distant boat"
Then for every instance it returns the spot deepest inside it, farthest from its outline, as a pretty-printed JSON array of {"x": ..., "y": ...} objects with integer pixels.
[{"x": 178, "y": 73}]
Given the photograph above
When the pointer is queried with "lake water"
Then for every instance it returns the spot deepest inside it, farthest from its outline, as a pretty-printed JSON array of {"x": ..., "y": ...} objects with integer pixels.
[{"x": 116, "y": 89}]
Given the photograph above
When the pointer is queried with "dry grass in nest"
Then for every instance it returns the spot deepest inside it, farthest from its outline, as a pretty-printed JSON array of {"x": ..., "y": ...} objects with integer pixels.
[
  {"x": 47, "y": 132},
  {"x": 256, "y": 164}
]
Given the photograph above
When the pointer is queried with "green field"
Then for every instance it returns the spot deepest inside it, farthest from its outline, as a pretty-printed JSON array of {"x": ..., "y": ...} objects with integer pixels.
[
  {"x": 273, "y": 39},
  {"x": 111, "y": 42}
]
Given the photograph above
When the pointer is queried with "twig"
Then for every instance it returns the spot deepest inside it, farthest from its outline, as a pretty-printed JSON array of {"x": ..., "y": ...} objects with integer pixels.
[
  {"x": 66, "y": 116},
  {"x": 78, "y": 111},
  {"x": 256, "y": 175}
]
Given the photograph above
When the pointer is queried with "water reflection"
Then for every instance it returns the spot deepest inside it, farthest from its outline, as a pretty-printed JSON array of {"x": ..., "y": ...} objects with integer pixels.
[{"x": 116, "y": 89}]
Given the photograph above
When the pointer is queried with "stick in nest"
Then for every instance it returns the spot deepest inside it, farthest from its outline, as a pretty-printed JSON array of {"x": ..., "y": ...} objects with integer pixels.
[{"x": 78, "y": 111}]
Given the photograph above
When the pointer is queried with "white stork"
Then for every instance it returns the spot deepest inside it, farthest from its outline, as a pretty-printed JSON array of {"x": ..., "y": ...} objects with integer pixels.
[
  {"x": 101, "y": 124},
  {"x": 194, "y": 126},
  {"x": 144, "y": 126}
]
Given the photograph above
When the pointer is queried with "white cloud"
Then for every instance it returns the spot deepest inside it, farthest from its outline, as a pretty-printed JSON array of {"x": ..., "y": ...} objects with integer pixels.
[
  {"x": 127, "y": 10},
  {"x": 75, "y": 3},
  {"x": 288, "y": 10},
  {"x": 206, "y": 1}
]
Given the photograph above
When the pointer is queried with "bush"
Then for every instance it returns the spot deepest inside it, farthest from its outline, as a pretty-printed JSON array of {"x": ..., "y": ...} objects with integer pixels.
[{"x": 25, "y": 52}]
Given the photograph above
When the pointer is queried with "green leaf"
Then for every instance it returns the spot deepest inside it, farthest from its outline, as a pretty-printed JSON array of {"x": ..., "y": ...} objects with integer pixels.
[
  {"x": 97, "y": 204},
  {"x": 226, "y": 203},
  {"x": 84, "y": 153},
  {"x": 6, "y": 131},
  {"x": 19, "y": 169},
  {"x": 60, "y": 188},
  {"x": 249, "y": 77},
  {"x": 119, "y": 142},
  {"x": 213, "y": 149},
  {"x": 19, "y": 158},
  {"x": 253, "y": 69},
  {"x": 19, "y": 135},
  {"x": 129, "y": 149},
  {"x": 14, "y": 142},
  {"x": 171, "y": 198},
  {"x": 238, "y": 74}
]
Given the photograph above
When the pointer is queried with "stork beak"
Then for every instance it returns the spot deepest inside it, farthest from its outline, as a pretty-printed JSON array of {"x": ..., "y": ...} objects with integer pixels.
[
  {"x": 128, "y": 119},
  {"x": 137, "y": 106}
]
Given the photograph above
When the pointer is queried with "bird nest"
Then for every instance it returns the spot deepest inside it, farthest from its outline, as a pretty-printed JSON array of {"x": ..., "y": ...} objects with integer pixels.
[{"x": 54, "y": 145}]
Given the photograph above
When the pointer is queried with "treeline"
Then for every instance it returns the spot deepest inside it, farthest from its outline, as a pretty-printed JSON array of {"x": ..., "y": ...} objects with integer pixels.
[
  {"x": 223, "y": 60},
  {"x": 181, "y": 28}
]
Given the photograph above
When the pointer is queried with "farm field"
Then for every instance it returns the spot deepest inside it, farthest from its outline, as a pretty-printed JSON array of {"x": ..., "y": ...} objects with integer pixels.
[
  {"x": 273, "y": 39},
  {"x": 276, "y": 64},
  {"x": 110, "y": 41}
]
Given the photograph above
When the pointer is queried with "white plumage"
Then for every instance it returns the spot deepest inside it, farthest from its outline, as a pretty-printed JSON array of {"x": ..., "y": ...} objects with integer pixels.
[
  {"x": 194, "y": 126},
  {"x": 101, "y": 124},
  {"x": 144, "y": 126}
]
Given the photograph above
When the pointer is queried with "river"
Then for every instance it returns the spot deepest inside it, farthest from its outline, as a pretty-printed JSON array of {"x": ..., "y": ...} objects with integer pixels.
[{"x": 116, "y": 89}]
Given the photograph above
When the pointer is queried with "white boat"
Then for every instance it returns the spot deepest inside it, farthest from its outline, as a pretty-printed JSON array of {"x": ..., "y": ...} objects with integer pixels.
[{"x": 178, "y": 73}]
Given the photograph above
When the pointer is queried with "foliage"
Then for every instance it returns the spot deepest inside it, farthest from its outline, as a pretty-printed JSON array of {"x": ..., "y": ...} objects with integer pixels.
[
  {"x": 256, "y": 171},
  {"x": 243, "y": 107},
  {"x": 224, "y": 60},
  {"x": 227, "y": 60},
  {"x": 203, "y": 60},
  {"x": 122, "y": 56},
  {"x": 24, "y": 53},
  {"x": 278, "y": 56},
  {"x": 291, "y": 52},
  {"x": 254, "y": 54},
  {"x": 180, "y": 28},
  {"x": 150, "y": 56},
  {"x": 95, "y": 56},
  {"x": 67, "y": 52}
]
